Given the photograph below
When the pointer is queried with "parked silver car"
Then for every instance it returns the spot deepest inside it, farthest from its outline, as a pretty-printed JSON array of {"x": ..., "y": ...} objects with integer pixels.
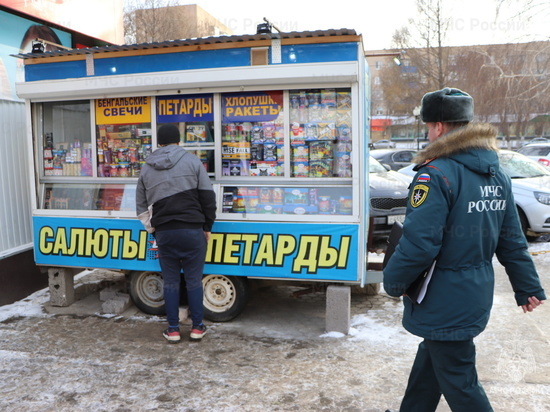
[
  {"x": 383, "y": 144},
  {"x": 388, "y": 197},
  {"x": 394, "y": 158}
]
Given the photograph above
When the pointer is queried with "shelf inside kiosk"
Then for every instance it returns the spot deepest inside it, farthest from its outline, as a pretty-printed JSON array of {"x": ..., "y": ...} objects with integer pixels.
[
  {"x": 122, "y": 149},
  {"x": 66, "y": 138},
  {"x": 320, "y": 133},
  {"x": 198, "y": 138},
  {"x": 288, "y": 200}
]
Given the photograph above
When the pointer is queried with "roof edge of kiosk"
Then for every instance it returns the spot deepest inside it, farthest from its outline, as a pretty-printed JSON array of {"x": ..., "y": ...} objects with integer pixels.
[
  {"x": 201, "y": 43},
  {"x": 191, "y": 64}
]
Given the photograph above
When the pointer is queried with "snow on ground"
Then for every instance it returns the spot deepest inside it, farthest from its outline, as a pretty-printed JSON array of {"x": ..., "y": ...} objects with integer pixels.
[
  {"x": 372, "y": 327},
  {"x": 66, "y": 363}
]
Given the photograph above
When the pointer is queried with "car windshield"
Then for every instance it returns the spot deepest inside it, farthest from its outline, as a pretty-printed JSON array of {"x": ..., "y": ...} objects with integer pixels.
[
  {"x": 518, "y": 166},
  {"x": 375, "y": 166}
]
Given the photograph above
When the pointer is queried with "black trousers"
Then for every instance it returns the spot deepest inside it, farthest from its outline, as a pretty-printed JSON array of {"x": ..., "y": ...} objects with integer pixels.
[
  {"x": 448, "y": 368},
  {"x": 182, "y": 249}
]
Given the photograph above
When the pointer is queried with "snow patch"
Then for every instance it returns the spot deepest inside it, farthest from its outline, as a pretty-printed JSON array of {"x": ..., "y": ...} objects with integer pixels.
[
  {"x": 31, "y": 306},
  {"x": 371, "y": 330},
  {"x": 332, "y": 335}
]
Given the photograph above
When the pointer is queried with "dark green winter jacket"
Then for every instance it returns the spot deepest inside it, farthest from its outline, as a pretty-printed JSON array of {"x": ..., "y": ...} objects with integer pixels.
[{"x": 460, "y": 210}]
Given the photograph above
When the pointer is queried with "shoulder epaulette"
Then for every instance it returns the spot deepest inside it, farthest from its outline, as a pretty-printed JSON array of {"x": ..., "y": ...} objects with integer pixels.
[{"x": 419, "y": 165}]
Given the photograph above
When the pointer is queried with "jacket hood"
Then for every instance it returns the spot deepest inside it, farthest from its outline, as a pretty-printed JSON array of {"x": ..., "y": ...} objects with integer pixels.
[
  {"x": 165, "y": 157},
  {"x": 473, "y": 145}
]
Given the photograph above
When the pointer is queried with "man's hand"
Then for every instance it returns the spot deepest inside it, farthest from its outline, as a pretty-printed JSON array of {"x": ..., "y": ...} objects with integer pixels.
[
  {"x": 207, "y": 236},
  {"x": 533, "y": 303}
]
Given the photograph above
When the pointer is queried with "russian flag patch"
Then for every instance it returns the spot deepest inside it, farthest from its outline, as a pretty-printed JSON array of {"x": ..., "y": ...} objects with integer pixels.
[{"x": 423, "y": 178}]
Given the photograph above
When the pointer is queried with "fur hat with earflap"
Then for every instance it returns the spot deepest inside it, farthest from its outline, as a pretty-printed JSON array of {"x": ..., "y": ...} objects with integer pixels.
[{"x": 447, "y": 105}]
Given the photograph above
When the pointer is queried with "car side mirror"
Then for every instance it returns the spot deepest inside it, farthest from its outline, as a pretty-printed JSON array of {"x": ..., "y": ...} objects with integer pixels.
[{"x": 386, "y": 166}]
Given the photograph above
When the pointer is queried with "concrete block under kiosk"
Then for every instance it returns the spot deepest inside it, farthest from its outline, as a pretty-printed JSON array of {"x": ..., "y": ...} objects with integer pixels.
[
  {"x": 338, "y": 310},
  {"x": 116, "y": 304},
  {"x": 61, "y": 284}
]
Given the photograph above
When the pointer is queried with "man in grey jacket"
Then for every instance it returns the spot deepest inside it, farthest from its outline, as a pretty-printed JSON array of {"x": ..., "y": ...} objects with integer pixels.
[{"x": 175, "y": 201}]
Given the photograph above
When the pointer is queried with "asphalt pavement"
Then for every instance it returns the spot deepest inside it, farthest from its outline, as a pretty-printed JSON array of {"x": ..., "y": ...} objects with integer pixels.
[{"x": 275, "y": 356}]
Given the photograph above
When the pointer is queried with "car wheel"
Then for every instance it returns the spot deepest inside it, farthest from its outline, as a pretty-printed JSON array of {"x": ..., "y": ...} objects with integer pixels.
[
  {"x": 146, "y": 291},
  {"x": 525, "y": 226},
  {"x": 224, "y": 296}
]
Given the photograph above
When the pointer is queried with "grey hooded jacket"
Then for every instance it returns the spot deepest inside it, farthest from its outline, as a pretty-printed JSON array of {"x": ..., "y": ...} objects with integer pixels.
[{"x": 174, "y": 191}]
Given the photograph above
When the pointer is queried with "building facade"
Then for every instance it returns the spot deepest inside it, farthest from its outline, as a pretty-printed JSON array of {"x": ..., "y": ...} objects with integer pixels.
[
  {"x": 509, "y": 83},
  {"x": 174, "y": 23}
]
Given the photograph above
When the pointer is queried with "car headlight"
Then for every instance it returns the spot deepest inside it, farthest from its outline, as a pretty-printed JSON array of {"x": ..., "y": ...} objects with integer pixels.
[{"x": 542, "y": 197}]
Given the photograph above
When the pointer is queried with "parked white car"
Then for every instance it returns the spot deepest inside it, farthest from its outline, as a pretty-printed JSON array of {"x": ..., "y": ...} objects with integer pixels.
[
  {"x": 531, "y": 188},
  {"x": 539, "y": 152}
]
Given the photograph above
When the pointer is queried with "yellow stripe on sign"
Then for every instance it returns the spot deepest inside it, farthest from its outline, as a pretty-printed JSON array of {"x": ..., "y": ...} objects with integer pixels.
[{"x": 123, "y": 110}]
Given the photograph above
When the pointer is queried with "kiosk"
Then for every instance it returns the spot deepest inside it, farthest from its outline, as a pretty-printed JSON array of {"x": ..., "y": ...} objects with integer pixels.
[{"x": 280, "y": 121}]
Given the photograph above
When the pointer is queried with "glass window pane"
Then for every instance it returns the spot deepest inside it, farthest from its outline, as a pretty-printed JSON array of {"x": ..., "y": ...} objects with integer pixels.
[
  {"x": 123, "y": 133},
  {"x": 90, "y": 197},
  {"x": 287, "y": 200},
  {"x": 320, "y": 133},
  {"x": 194, "y": 117},
  {"x": 66, "y": 138},
  {"x": 252, "y": 134}
]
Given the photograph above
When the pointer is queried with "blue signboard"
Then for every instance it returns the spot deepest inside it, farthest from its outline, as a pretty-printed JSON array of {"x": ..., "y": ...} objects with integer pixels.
[
  {"x": 255, "y": 249},
  {"x": 189, "y": 108}
]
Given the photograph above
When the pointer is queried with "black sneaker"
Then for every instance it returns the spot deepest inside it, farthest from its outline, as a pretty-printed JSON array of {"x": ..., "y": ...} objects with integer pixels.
[
  {"x": 172, "y": 335},
  {"x": 197, "y": 332}
]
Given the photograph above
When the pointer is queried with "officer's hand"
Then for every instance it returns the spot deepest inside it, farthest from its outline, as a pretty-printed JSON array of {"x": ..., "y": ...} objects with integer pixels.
[{"x": 533, "y": 303}]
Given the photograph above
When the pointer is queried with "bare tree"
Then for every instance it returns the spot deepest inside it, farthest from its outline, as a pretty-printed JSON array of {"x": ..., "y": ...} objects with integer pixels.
[
  {"x": 526, "y": 10},
  {"x": 150, "y": 21},
  {"x": 523, "y": 73},
  {"x": 510, "y": 82},
  {"x": 426, "y": 37},
  {"x": 425, "y": 66}
]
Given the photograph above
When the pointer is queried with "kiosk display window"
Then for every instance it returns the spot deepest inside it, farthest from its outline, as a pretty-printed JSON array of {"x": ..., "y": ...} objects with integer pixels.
[
  {"x": 287, "y": 200},
  {"x": 66, "y": 138},
  {"x": 67, "y": 196},
  {"x": 123, "y": 132},
  {"x": 320, "y": 133},
  {"x": 251, "y": 140},
  {"x": 194, "y": 116},
  {"x": 252, "y": 134}
]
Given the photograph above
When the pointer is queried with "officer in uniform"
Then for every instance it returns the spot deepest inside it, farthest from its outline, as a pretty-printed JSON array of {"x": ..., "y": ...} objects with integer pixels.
[{"x": 460, "y": 213}]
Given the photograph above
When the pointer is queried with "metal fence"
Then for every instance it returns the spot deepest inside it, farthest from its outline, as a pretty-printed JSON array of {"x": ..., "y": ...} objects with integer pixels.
[{"x": 15, "y": 205}]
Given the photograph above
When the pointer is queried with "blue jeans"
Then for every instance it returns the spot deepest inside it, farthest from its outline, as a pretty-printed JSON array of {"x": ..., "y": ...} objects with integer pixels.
[
  {"x": 448, "y": 368},
  {"x": 182, "y": 249}
]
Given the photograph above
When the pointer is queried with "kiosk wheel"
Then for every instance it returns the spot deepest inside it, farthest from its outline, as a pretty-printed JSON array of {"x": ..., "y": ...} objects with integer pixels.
[
  {"x": 146, "y": 291},
  {"x": 225, "y": 297}
]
